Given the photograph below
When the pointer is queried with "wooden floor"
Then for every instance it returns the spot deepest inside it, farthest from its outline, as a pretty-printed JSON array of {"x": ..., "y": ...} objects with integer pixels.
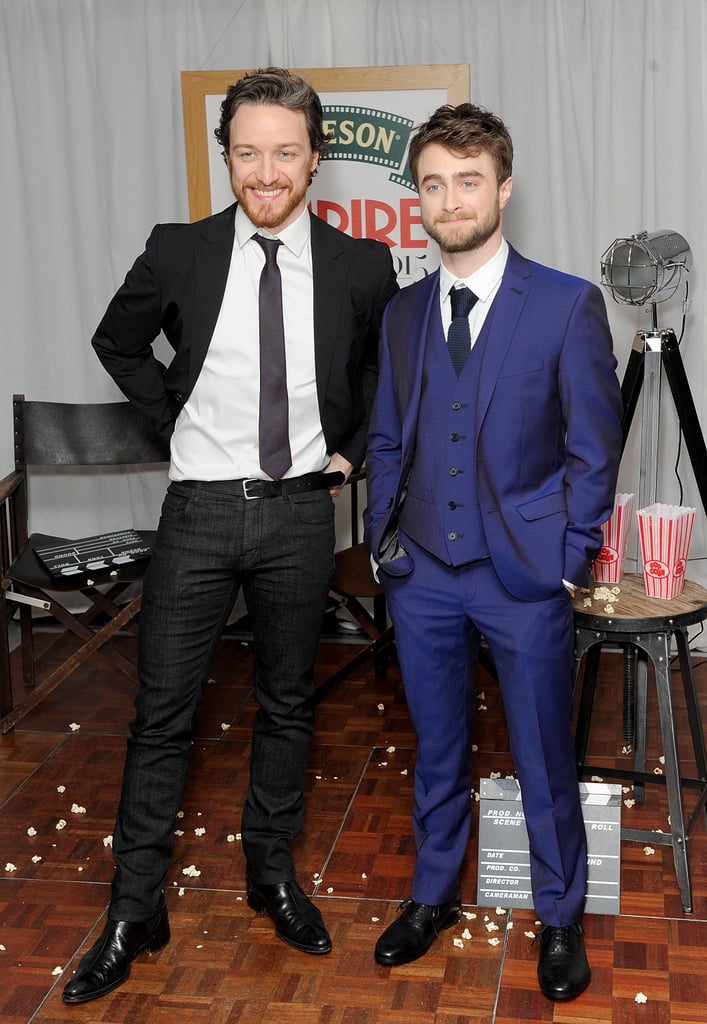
[{"x": 59, "y": 782}]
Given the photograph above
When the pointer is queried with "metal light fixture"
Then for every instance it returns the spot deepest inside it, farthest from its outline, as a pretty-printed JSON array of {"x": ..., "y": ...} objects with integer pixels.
[{"x": 645, "y": 267}]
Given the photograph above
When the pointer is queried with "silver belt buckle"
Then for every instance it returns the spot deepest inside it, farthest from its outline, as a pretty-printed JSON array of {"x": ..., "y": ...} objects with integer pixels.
[{"x": 250, "y": 482}]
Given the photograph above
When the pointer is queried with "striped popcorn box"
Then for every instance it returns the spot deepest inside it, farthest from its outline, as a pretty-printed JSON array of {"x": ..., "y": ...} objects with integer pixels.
[
  {"x": 609, "y": 564},
  {"x": 665, "y": 532}
]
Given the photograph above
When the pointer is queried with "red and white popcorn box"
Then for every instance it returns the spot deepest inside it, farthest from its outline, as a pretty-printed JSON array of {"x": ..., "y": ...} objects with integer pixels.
[
  {"x": 609, "y": 563},
  {"x": 665, "y": 532}
]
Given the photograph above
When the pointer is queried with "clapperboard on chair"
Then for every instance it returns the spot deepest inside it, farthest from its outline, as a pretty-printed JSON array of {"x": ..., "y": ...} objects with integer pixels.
[
  {"x": 105, "y": 553},
  {"x": 504, "y": 858}
]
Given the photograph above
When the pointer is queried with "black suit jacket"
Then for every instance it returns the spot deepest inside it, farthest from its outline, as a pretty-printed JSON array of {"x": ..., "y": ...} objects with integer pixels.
[{"x": 176, "y": 287}]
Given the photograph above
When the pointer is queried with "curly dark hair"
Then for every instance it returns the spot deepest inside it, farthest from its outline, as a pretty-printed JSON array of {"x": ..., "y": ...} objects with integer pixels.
[
  {"x": 279, "y": 87},
  {"x": 466, "y": 129}
]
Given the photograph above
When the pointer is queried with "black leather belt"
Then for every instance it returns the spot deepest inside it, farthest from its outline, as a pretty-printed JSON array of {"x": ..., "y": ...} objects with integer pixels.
[{"x": 253, "y": 487}]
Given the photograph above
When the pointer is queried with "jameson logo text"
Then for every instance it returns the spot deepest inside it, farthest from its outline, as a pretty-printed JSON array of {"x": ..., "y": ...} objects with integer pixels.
[{"x": 371, "y": 136}]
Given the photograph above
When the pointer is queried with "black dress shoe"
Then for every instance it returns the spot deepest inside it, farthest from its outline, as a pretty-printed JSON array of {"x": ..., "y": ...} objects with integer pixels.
[
  {"x": 297, "y": 921},
  {"x": 107, "y": 963},
  {"x": 563, "y": 969},
  {"x": 411, "y": 935}
]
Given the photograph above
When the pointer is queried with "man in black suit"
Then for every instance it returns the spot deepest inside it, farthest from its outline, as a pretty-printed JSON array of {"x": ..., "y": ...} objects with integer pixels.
[{"x": 227, "y": 521}]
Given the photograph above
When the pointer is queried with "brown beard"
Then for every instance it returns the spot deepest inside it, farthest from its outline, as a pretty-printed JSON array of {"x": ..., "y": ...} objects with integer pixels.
[
  {"x": 465, "y": 237},
  {"x": 263, "y": 215}
]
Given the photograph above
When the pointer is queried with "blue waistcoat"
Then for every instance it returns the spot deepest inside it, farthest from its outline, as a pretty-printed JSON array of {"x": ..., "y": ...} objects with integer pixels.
[{"x": 441, "y": 511}]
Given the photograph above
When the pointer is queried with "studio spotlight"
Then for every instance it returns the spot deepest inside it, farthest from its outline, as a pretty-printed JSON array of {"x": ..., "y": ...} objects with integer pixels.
[{"x": 645, "y": 267}]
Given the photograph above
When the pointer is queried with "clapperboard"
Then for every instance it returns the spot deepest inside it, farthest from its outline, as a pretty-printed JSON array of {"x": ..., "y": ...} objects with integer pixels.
[
  {"x": 105, "y": 552},
  {"x": 504, "y": 859}
]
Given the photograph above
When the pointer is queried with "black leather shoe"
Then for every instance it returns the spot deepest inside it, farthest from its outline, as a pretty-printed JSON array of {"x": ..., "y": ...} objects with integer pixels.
[
  {"x": 563, "y": 969},
  {"x": 411, "y": 935},
  {"x": 297, "y": 921},
  {"x": 107, "y": 963}
]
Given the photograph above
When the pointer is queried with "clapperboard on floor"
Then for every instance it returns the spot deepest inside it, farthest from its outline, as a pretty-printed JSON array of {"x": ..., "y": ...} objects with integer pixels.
[
  {"x": 109, "y": 552},
  {"x": 504, "y": 860}
]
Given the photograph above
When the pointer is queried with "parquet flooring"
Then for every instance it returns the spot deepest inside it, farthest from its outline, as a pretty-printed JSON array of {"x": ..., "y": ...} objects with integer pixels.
[{"x": 224, "y": 964}]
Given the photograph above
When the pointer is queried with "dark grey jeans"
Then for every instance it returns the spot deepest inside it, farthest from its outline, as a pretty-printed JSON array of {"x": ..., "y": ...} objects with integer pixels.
[{"x": 211, "y": 542}]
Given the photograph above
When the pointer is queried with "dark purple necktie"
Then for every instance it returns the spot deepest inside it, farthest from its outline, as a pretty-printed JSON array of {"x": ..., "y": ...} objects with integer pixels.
[
  {"x": 273, "y": 427},
  {"x": 458, "y": 336}
]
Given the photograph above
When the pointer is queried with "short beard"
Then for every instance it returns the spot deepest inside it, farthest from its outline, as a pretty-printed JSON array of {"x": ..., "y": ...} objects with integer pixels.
[
  {"x": 264, "y": 215},
  {"x": 463, "y": 238}
]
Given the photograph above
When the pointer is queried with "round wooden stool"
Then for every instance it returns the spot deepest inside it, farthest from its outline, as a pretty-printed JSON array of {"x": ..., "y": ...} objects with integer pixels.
[{"x": 645, "y": 627}]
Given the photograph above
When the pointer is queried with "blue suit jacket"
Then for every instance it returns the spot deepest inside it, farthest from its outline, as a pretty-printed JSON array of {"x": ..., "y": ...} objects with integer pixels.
[{"x": 549, "y": 426}]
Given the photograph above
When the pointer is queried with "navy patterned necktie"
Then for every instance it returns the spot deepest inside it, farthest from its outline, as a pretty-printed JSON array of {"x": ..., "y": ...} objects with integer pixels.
[
  {"x": 459, "y": 336},
  {"x": 273, "y": 426}
]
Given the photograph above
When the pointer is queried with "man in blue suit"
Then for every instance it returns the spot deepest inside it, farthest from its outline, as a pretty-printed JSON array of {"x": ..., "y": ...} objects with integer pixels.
[{"x": 492, "y": 462}]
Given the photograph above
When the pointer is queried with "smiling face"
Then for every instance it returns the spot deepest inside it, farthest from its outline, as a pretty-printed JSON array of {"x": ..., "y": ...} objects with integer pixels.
[
  {"x": 461, "y": 201},
  {"x": 271, "y": 163}
]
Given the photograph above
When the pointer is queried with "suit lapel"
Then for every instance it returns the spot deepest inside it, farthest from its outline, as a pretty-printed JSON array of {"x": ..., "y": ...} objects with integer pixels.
[
  {"x": 212, "y": 260},
  {"x": 505, "y": 312},
  {"x": 330, "y": 272}
]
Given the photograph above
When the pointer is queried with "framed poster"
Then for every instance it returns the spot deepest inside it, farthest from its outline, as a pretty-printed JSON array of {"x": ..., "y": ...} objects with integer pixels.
[{"x": 363, "y": 186}]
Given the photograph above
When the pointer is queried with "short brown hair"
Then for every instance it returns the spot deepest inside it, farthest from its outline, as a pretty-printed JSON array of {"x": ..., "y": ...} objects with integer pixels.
[
  {"x": 466, "y": 129},
  {"x": 279, "y": 87}
]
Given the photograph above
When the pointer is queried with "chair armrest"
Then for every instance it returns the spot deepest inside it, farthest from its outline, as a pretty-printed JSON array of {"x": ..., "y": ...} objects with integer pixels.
[{"x": 9, "y": 484}]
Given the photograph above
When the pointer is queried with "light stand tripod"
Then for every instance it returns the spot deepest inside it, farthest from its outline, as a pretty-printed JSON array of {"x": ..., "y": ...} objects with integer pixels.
[{"x": 651, "y": 352}]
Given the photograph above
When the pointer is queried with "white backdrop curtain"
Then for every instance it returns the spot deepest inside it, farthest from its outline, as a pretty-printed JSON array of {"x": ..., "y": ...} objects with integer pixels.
[{"x": 606, "y": 101}]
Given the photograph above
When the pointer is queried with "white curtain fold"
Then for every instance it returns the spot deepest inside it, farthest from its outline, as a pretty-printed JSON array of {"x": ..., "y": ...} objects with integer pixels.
[{"x": 606, "y": 101}]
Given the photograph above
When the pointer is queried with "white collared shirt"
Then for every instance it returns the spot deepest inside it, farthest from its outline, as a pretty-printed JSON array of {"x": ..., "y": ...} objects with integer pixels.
[
  {"x": 484, "y": 283},
  {"x": 216, "y": 433}
]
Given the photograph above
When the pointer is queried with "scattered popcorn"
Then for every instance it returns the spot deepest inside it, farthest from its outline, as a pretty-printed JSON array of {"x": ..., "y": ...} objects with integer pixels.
[
  {"x": 107, "y": 841},
  {"x": 626, "y": 789},
  {"x": 657, "y": 771},
  {"x": 231, "y": 838},
  {"x": 74, "y": 726},
  {"x": 330, "y": 889},
  {"x": 36, "y": 859},
  {"x": 494, "y": 775},
  {"x": 382, "y": 764},
  {"x": 482, "y": 695},
  {"x": 587, "y": 602},
  {"x": 3, "y": 949},
  {"x": 474, "y": 748},
  {"x": 381, "y": 707},
  {"x": 477, "y": 797},
  {"x": 79, "y": 869},
  {"x": 179, "y": 831},
  {"x": 390, "y": 750},
  {"x": 641, "y": 997},
  {"x": 180, "y": 814},
  {"x": 77, "y": 809},
  {"x": 57, "y": 971},
  {"x": 60, "y": 825},
  {"x": 626, "y": 749},
  {"x": 61, "y": 789},
  {"x": 375, "y": 920},
  {"x": 364, "y": 875},
  {"x": 466, "y": 934},
  {"x": 482, "y": 707},
  {"x": 529, "y": 935},
  {"x": 404, "y": 771},
  {"x": 648, "y": 850},
  {"x": 200, "y": 831},
  {"x": 315, "y": 876},
  {"x": 10, "y": 867},
  {"x": 597, "y": 778},
  {"x": 608, "y": 608},
  {"x": 469, "y": 915},
  {"x": 501, "y": 911},
  {"x": 629, "y": 803},
  {"x": 31, "y": 831},
  {"x": 492, "y": 926},
  {"x": 225, "y": 726},
  {"x": 604, "y": 594},
  {"x": 191, "y": 871},
  {"x": 211, "y": 681},
  {"x": 200, "y": 946},
  {"x": 495, "y": 941},
  {"x": 662, "y": 758},
  {"x": 181, "y": 891},
  {"x": 318, "y": 777}
]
